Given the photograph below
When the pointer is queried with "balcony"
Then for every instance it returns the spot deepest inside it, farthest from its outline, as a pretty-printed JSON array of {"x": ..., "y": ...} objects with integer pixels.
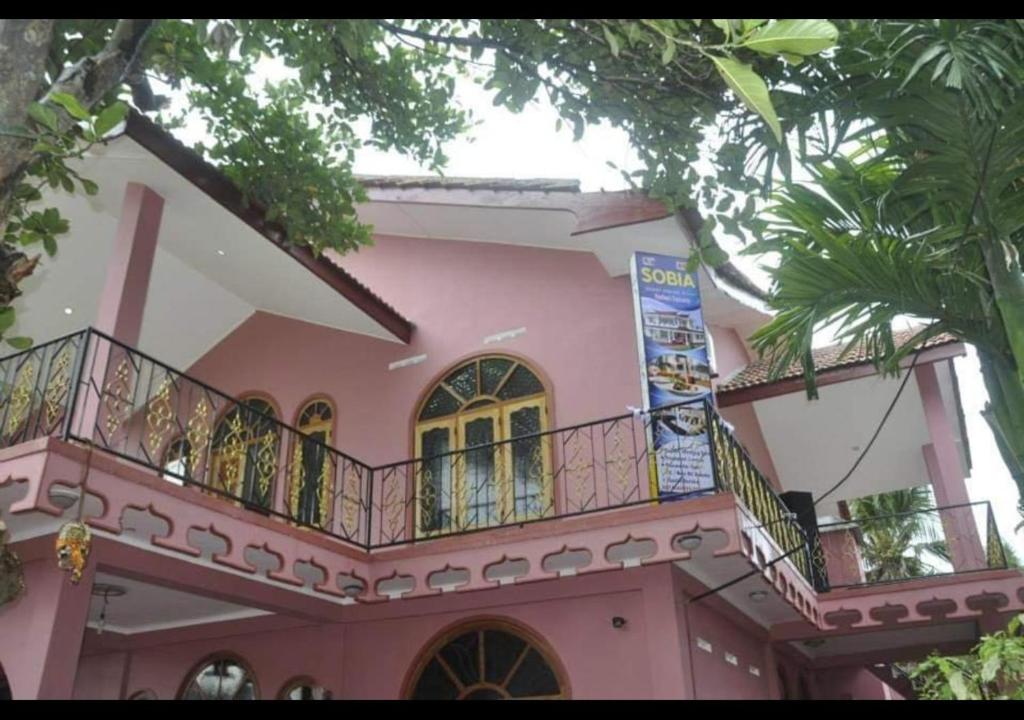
[
  {"x": 90, "y": 389},
  {"x": 903, "y": 546}
]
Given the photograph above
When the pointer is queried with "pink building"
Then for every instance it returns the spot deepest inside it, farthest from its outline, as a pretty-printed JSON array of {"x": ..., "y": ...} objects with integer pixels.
[{"x": 416, "y": 471}]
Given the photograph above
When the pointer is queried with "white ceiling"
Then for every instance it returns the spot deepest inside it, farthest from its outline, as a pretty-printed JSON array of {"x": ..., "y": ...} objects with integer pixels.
[
  {"x": 862, "y": 642},
  {"x": 196, "y": 295},
  {"x": 145, "y": 607},
  {"x": 815, "y": 442}
]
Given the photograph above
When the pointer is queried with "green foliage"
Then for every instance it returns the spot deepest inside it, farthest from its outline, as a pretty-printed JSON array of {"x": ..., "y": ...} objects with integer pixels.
[
  {"x": 915, "y": 211},
  {"x": 289, "y": 145},
  {"x": 900, "y": 538},
  {"x": 994, "y": 670}
]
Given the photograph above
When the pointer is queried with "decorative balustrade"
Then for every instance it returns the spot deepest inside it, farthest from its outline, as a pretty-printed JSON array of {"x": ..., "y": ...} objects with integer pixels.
[
  {"x": 736, "y": 473},
  {"x": 91, "y": 388},
  {"x": 88, "y": 387},
  {"x": 909, "y": 545}
]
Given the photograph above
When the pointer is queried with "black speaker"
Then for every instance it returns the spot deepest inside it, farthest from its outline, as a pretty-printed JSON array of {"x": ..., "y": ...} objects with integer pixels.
[{"x": 802, "y": 503}]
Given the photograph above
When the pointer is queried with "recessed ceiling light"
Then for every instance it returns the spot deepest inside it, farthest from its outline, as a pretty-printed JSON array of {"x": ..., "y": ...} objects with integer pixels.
[
  {"x": 758, "y": 596},
  {"x": 221, "y": 253},
  {"x": 68, "y": 311}
]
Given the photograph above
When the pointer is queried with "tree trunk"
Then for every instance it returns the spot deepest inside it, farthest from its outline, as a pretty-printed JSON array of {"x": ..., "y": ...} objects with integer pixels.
[
  {"x": 24, "y": 47},
  {"x": 1005, "y": 415}
]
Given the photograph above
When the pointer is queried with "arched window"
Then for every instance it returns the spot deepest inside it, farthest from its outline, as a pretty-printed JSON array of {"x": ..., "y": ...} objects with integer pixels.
[
  {"x": 145, "y": 694},
  {"x": 303, "y": 688},
  {"x": 464, "y": 480},
  {"x": 490, "y": 660},
  {"x": 311, "y": 472},
  {"x": 221, "y": 678},
  {"x": 244, "y": 457}
]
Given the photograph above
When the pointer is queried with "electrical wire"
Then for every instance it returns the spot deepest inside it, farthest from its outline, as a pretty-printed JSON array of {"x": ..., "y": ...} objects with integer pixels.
[{"x": 847, "y": 476}]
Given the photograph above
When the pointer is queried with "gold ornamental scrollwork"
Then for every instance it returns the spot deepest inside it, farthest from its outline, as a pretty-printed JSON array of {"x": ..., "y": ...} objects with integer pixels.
[
  {"x": 295, "y": 481},
  {"x": 392, "y": 509},
  {"x": 351, "y": 500},
  {"x": 21, "y": 398},
  {"x": 159, "y": 416},
  {"x": 55, "y": 396},
  {"x": 326, "y": 491},
  {"x": 198, "y": 435},
  {"x": 428, "y": 498},
  {"x": 117, "y": 396},
  {"x": 266, "y": 462},
  {"x": 234, "y": 450},
  {"x": 620, "y": 460},
  {"x": 576, "y": 467}
]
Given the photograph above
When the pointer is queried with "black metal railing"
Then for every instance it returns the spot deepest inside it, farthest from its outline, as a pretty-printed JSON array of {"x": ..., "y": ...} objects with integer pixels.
[
  {"x": 90, "y": 388},
  {"x": 93, "y": 389},
  {"x": 570, "y": 471},
  {"x": 737, "y": 473},
  {"x": 948, "y": 540}
]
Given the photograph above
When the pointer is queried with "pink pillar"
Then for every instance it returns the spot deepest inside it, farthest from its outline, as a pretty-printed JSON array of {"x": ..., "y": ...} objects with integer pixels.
[
  {"x": 124, "y": 293},
  {"x": 41, "y": 632},
  {"x": 947, "y": 477},
  {"x": 771, "y": 671},
  {"x": 123, "y": 299},
  {"x": 842, "y": 555}
]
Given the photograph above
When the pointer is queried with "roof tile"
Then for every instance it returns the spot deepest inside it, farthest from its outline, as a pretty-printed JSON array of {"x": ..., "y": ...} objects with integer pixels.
[{"x": 756, "y": 373}]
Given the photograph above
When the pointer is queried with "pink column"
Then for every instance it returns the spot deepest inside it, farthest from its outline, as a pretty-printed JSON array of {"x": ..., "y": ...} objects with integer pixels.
[
  {"x": 41, "y": 632},
  {"x": 947, "y": 477},
  {"x": 123, "y": 299},
  {"x": 842, "y": 555},
  {"x": 124, "y": 293}
]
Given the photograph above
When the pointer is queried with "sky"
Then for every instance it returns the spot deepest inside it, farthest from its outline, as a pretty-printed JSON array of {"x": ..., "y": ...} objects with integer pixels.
[{"x": 527, "y": 145}]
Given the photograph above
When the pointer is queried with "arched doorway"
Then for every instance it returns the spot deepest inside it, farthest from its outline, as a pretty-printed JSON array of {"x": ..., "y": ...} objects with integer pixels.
[
  {"x": 487, "y": 659},
  {"x": 220, "y": 677},
  {"x": 474, "y": 472}
]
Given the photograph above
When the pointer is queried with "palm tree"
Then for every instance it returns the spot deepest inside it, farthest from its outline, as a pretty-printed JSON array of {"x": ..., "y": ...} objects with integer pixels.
[
  {"x": 924, "y": 218},
  {"x": 900, "y": 539}
]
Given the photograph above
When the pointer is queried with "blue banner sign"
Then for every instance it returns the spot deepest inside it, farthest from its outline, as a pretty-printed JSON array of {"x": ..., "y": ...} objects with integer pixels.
[{"x": 675, "y": 369}]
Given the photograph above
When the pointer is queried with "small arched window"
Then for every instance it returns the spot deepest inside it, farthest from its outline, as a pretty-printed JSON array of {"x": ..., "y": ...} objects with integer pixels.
[
  {"x": 465, "y": 480},
  {"x": 303, "y": 689},
  {"x": 311, "y": 469},
  {"x": 487, "y": 661},
  {"x": 221, "y": 678},
  {"x": 245, "y": 448}
]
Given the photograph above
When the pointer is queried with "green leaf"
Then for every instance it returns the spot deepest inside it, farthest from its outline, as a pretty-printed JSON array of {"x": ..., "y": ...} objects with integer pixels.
[
  {"x": 20, "y": 342},
  {"x": 109, "y": 118},
  {"x": 71, "y": 105},
  {"x": 6, "y": 318},
  {"x": 714, "y": 256},
  {"x": 799, "y": 37},
  {"x": 750, "y": 89},
  {"x": 89, "y": 186},
  {"x": 749, "y": 25},
  {"x": 613, "y": 42},
  {"x": 50, "y": 245},
  {"x": 725, "y": 26},
  {"x": 44, "y": 116},
  {"x": 669, "y": 52}
]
